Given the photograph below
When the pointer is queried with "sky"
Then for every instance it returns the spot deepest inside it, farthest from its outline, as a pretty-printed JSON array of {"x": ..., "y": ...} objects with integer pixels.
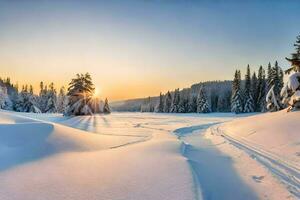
[{"x": 139, "y": 48}]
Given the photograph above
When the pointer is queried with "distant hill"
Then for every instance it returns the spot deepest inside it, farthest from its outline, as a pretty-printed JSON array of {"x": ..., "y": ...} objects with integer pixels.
[{"x": 214, "y": 89}]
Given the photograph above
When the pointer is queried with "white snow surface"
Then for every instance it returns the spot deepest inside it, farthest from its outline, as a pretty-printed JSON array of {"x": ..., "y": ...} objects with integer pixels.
[{"x": 142, "y": 156}]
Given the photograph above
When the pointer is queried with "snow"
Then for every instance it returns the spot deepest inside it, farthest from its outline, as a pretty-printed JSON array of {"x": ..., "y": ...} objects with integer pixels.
[
  {"x": 293, "y": 81},
  {"x": 273, "y": 140},
  {"x": 136, "y": 156}
]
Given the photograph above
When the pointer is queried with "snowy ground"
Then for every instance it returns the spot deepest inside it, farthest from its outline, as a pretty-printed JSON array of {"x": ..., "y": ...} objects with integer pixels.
[{"x": 139, "y": 156}]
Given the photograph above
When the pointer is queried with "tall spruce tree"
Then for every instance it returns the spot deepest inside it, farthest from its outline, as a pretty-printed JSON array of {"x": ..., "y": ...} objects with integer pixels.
[
  {"x": 249, "y": 102},
  {"x": 168, "y": 102},
  {"x": 192, "y": 105},
  {"x": 269, "y": 76},
  {"x": 254, "y": 90},
  {"x": 51, "y": 99},
  {"x": 202, "y": 102},
  {"x": 62, "y": 100},
  {"x": 175, "y": 102},
  {"x": 261, "y": 90},
  {"x": 106, "y": 108},
  {"x": 160, "y": 107},
  {"x": 275, "y": 83},
  {"x": 236, "y": 98}
]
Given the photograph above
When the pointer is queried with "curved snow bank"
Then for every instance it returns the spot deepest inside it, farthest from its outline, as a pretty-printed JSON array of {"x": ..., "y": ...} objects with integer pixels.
[
  {"x": 277, "y": 133},
  {"x": 40, "y": 160},
  {"x": 6, "y": 118},
  {"x": 273, "y": 140}
]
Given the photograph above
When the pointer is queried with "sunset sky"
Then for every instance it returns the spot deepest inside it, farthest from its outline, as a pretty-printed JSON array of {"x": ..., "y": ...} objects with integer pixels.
[{"x": 139, "y": 48}]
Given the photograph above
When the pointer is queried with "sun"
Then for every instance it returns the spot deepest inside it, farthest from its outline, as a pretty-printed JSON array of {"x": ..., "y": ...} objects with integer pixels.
[{"x": 96, "y": 93}]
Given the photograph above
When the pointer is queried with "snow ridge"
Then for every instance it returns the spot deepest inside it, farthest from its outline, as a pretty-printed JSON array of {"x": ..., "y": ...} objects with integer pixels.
[{"x": 286, "y": 171}]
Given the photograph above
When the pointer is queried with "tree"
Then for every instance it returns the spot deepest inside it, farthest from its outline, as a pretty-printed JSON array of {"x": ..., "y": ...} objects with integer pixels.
[
  {"x": 43, "y": 99},
  {"x": 269, "y": 77},
  {"x": 51, "y": 100},
  {"x": 168, "y": 102},
  {"x": 183, "y": 104},
  {"x": 202, "y": 103},
  {"x": 5, "y": 102},
  {"x": 249, "y": 103},
  {"x": 62, "y": 100},
  {"x": 175, "y": 102},
  {"x": 236, "y": 98},
  {"x": 80, "y": 92},
  {"x": 192, "y": 104},
  {"x": 27, "y": 102},
  {"x": 275, "y": 82},
  {"x": 160, "y": 106},
  {"x": 254, "y": 90},
  {"x": 261, "y": 90},
  {"x": 273, "y": 103},
  {"x": 106, "y": 108},
  {"x": 291, "y": 91}
]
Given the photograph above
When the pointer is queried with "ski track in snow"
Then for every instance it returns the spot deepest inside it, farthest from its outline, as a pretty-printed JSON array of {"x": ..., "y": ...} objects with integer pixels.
[{"x": 284, "y": 170}]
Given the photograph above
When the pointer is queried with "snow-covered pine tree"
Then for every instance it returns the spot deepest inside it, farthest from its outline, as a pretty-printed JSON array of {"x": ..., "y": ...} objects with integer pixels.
[
  {"x": 51, "y": 100},
  {"x": 249, "y": 103},
  {"x": 192, "y": 104},
  {"x": 273, "y": 103},
  {"x": 236, "y": 98},
  {"x": 291, "y": 91},
  {"x": 62, "y": 100},
  {"x": 5, "y": 102},
  {"x": 175, "y": 102},
  {"x": 273, "y": 98},
  {"x": 80, "y": 92},
  {"x": 43, "y": 99},
  {"x": 202, "y": 102},
  {"x": 254, "y": 90},
  {"x": 275, "y": 80},
  {"x": 27, "y": 102},
  {"x": 261, "y": 90},
  {"x": 168, "y": 102},
  {"x": 269, "y": 77},
  {"x": 106, "y": 108},
  {"x": 160, "y": 106},
  {"x": 183, "y": 104}
]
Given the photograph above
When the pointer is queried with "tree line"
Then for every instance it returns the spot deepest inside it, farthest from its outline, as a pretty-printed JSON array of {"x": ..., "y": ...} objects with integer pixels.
[
  {"x": 78, "y": 99},
  {"x": 259, "y": 91}
]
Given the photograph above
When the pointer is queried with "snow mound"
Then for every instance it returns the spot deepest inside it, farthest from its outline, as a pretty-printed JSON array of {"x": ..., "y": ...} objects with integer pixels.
[{"x": 277, "y": 133}]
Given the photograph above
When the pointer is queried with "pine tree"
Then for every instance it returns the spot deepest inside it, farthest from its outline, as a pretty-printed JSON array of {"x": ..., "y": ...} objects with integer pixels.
[
  {"x": 62, "y": 100},
  {"x": 261, "y": 90},
  {"x": 236, "y": 98},
  {"x": 297, "y": 45},
  {"x": 168, "y": 102},
  {"x": 273, "y": 103},
  {"x": 202, "y": 103},
  {"x": 249, "y": 103},
  {"x": 106, "y": 108},
  {"x": 192, "y": 104},
  {"x": 183, "y": 104},
  {"x": 5, "y": 102},
  {"x": 43, "y": 99},
  {"x": 254, "y": 90},
  {"x": 26, "y": 102},
  {"x": 160, "y": 107},
  {"x": 269, "y": 77},
  {"x": 175, "y": 102},
  {"x": 80, "y": 92},
  {"x": 275, "y": 82},
  {"x": 51, "y": 100}
]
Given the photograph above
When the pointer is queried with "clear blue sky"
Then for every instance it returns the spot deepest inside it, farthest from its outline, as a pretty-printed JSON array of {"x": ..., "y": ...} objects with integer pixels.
[{"x": 139, "y": 48}]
